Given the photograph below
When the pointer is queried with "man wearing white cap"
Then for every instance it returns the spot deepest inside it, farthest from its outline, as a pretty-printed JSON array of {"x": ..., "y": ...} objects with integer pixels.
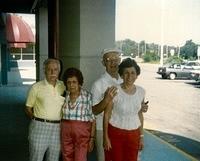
[{"x": 104, "y": 90}]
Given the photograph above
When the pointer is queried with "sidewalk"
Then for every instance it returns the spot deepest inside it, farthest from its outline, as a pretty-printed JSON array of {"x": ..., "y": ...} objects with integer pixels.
[{"x": 158, "y": 150}]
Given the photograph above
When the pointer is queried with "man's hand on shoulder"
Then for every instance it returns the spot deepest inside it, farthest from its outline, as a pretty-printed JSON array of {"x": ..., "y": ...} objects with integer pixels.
[{"x": 110, "y": 93}]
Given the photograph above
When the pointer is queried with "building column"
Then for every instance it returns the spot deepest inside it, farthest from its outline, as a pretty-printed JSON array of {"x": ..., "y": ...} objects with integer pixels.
[
  {"x": 42, "y": 52},
  {"x": 3, "y": 51},
  {"x": 85, "y": 28},
  {"x": 4, "y": 64}
]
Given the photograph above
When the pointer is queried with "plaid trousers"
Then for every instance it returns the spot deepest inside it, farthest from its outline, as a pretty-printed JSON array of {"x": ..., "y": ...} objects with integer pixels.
[{"x": 44, "y": 138}]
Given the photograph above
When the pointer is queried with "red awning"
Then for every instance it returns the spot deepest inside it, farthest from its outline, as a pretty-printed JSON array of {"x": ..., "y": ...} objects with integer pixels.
[{"x": 18, "y": 32}]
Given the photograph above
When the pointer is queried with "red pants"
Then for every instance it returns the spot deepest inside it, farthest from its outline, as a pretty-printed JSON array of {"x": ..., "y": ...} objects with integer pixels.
[
  {"x": 125, "y": 144},
  {"x": 75, "y": 136}
]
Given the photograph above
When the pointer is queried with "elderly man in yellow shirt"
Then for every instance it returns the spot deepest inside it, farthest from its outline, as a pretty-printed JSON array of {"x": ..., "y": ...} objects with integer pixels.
[{"x": 43, "y": 106}]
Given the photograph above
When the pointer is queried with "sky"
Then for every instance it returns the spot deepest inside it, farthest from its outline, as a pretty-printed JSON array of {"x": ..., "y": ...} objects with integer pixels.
[{"x": 170, "y": 22}]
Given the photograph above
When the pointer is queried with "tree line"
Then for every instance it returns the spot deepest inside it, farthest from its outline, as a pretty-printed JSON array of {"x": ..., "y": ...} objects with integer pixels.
[{"x": 152, "y": 51}]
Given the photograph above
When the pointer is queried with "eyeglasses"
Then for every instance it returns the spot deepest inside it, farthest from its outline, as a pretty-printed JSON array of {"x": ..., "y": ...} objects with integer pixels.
[{"x": 112, "y": 60}]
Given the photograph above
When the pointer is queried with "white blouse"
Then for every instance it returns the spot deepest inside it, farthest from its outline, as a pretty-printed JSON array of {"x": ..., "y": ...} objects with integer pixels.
[{"x": 125, "y": 109}]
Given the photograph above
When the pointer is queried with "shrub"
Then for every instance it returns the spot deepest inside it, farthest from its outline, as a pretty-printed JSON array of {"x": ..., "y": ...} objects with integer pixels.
[
  {"x": 150, "y": 57},
  {"x": 173, "y": 59}
]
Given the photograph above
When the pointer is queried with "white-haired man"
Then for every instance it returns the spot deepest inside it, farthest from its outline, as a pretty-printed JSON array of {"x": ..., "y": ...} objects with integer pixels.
[{"x": 43, "y": 106}]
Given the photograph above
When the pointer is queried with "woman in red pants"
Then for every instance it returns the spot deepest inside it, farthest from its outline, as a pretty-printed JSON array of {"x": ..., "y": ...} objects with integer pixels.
[
  {"x": 123, "y": 118},
  {"x": 78, "y": 122}
]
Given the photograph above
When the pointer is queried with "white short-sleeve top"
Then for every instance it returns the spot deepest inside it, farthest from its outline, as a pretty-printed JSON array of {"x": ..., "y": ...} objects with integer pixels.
[
  {"x": 46, "y": 100},
  {"x": 98, "y": 89},
  {"x": 125, "y": 109}
]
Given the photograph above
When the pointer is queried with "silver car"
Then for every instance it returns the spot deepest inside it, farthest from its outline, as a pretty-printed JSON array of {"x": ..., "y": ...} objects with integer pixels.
[{"x": 174, "y": 71}]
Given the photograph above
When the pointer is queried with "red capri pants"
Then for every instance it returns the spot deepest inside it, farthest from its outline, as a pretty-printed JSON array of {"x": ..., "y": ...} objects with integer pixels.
[
  {"x": 75, "y": 136},
  {"x": 125, "y": 144}
]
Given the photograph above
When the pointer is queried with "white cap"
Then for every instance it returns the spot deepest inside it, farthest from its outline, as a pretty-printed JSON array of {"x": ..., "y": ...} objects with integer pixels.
[{"x": 110, "y": 50}]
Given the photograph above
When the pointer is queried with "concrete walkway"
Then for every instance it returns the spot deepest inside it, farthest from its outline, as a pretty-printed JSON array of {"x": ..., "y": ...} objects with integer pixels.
[{"x": 158, "y": 150}]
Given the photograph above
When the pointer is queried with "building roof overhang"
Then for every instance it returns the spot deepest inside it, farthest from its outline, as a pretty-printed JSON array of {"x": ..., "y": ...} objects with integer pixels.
[{"x": 17, "y": 6}]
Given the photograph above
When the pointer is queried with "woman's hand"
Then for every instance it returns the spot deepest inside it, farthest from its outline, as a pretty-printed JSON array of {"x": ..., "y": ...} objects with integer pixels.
[
  {"x": 144, "y": 106},
  {"x": 141, "y": 144},
  {"x": 106, "y": 143},
  {"x": 91, "y": 144}
]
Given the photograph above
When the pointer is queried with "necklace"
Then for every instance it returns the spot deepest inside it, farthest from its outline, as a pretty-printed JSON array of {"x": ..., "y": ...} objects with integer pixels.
[
  {"x": 71, "y": 105},
  {"x": 72, "y": 102}
]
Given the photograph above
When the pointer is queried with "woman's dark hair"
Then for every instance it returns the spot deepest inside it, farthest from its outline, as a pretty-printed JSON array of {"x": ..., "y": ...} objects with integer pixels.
[
  {"x": 126, "y": 63},
  {"x": 73, "y": 72}
]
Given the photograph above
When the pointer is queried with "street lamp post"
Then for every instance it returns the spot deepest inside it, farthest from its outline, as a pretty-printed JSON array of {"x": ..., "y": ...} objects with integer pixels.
[
  {"x": 198, "y": 53},
  {"x": 162, "y": 32}
]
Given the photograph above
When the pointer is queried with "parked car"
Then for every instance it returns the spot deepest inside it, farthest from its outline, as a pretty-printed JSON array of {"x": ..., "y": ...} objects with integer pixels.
[
  {"x": 195, "y": 75},
  {"x": 175, "y": 71},
  {"x": 192, "y": 64}
]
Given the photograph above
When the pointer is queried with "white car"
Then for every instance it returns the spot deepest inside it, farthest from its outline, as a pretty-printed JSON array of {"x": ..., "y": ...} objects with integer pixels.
[{"x": 193, "y": 64}]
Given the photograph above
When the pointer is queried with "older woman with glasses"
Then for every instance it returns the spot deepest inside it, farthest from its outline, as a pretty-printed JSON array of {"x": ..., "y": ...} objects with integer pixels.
[{"x": 78, "y": 121}]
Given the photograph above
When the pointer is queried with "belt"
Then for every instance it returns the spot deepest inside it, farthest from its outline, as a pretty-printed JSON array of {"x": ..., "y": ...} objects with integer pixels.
[{"x": 45, "y": 120}]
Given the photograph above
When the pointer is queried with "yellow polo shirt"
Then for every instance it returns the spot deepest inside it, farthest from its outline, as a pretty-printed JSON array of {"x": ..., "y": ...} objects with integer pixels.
[{"x": 46, "y": 100}]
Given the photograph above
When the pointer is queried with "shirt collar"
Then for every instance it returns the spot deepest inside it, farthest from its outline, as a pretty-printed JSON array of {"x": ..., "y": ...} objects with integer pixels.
[
  {"x": 107, "y": 75},
  {"x": 81, "y": 94},
  {"x": 47, "y": 83}
]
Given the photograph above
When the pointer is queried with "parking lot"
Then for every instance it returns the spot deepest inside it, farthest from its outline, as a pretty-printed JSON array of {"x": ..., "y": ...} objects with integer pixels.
[{"x": 173, "y": 104}]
